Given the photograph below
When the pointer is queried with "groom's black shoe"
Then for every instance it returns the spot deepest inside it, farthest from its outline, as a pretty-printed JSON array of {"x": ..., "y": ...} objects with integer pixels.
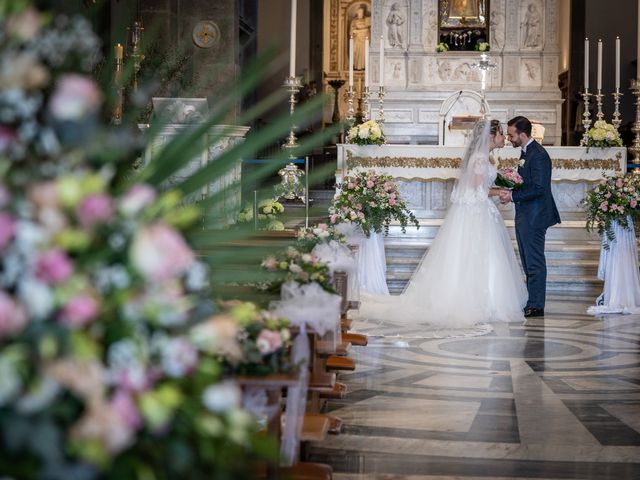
[{"x": 533, "y": 312}]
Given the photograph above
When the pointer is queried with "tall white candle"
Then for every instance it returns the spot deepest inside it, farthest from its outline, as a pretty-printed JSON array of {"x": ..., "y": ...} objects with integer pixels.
[
  {"x": 617, "y": 62},
  {"x": 586, "y": 63},
  {"x": 382, "y": 60},
  {"x": 351, "y": 61},
  {"x": 599, "y": 82},
  {"x": 292, "y": 43},
  {"x": 366, "y": 62}
]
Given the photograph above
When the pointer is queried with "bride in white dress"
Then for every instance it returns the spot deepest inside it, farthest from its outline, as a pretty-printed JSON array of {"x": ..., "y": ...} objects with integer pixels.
[{"x": 470, "y": 274}]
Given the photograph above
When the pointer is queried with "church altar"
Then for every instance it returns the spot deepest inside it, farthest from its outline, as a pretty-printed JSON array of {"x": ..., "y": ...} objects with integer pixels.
[{"x": 425, "y": 173}]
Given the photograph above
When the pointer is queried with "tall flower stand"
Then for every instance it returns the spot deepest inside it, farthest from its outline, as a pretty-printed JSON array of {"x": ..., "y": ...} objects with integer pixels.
[
  {"x": 372, "y": 265},
  {"x": 618, "y": 268}
]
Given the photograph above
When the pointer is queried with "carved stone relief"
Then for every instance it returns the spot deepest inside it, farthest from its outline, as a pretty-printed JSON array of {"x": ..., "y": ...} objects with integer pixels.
[
  {"x": 430, "y": 25},
  {"x": 497, "y": 21},
  {"x": 530, "y": 72},
  {"x": 415, "y": 25},
  {"x": 511, "y": 26},
  {"x": 511, "y": 71},
  {"x": 531, "y": 25},
  {"x": 414, "y": 193},
  {"x": 551, "y": 71},
  {"x": 398, "y": 116},
  {"x": 457, "y": 71},
  {"x": 415, "y": 71},
  {"x": 395, "y": 16}
]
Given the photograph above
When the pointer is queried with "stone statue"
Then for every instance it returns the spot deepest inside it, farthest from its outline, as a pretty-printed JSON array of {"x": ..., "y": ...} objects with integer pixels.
[
  {"x": 360, "y": 30},
  {"x": 394, "y": 20},
  {"x": 531, "y": 27}
]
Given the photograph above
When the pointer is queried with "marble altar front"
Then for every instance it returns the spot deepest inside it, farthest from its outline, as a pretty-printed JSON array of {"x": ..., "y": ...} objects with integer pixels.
[{"x": 426, "y": 173}]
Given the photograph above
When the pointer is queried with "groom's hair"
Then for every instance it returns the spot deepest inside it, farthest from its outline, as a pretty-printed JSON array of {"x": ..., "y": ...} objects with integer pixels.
[{"x": 522, "y": 125}]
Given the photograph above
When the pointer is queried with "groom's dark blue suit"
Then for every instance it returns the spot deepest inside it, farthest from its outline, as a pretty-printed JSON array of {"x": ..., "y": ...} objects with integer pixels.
[{"x": 535, "y": 212}]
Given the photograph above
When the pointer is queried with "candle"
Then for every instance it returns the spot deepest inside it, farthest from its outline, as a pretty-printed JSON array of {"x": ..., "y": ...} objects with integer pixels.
[
  {"x": 351, "y": 61},
  {"x": 366, "y": 62},
  {"x": 586, "y": 64},
  {"x": 119, "y": 52},
  {"x": 599, "y": 82},
  {"x": 617, "y": 63},
  {"x": 292, "y": 43},
  {"x": 382, "y": 60}
]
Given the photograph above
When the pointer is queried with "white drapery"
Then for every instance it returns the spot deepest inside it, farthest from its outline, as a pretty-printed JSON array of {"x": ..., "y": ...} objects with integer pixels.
[
  {"x": 618, "y": 267},
  {"x": 372, "y": 265}
]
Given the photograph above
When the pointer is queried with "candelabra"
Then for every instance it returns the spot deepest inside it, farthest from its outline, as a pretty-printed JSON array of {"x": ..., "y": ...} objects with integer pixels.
[
  {"x": 365, "y": 104},
  {"x": 350, "y": 112},
  {"x": 634, "y": 149},
  {"x": 137, "y": 56},
  {"x": 599, "y": 96},
  {"x": 586, "y": 118},
  {"x": 118, "y": 107},
  {"x": 616, "y": 122},
  {"x": 381, "y": 104},
  {"x": 484, "y": 65},
  {"x": 336, "y": 85},
  {"x": 293, "y": 85}
]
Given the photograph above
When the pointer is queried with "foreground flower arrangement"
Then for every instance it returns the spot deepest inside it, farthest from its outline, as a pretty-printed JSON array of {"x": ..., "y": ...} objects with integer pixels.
[
  {"x": 614, "y": 199},
  {"x": 372, "y": 201},
  {"x": 367, "y": 133},
  {"x": 113, "y": 358},
  {"x": 604, "y": 135}
]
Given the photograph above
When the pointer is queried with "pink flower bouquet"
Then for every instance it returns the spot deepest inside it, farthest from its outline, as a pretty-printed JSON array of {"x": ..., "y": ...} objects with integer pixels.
[{"x": 509, "y": 178}]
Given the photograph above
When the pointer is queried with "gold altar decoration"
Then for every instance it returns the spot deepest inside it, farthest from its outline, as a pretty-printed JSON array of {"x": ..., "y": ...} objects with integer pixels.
[{"x": 454, "y": 162}]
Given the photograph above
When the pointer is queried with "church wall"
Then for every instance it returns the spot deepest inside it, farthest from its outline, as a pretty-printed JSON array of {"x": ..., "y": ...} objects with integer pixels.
[{"x": 418, "y": 79}]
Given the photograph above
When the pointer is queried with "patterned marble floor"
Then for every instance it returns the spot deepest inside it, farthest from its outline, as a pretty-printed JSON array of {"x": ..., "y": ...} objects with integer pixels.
[{"x": 554, "y": 398}]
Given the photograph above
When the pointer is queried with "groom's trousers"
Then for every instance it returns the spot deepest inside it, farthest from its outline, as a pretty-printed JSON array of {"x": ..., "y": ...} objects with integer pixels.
[{"x": 531, "y": 248}]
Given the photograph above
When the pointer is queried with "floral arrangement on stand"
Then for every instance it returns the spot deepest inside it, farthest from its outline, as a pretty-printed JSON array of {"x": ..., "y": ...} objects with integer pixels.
[
  {"x": 367, "y": 133},
  {"x": 269, "y": 211},
  {"x": 442, "y": 47},
  {"x": 297, "y": 266},
  {"x": 264, "y": 341},
  {"x": 111, "y": 355},
  {"x": 603, "y": 135},
  {"x": 308, "y": 238},
  {"x": 372, "y": 201},
  {"x": 615, "y": 199},
  {"x": 482, "y": 47},
  {"x": 508, "y": 178}
]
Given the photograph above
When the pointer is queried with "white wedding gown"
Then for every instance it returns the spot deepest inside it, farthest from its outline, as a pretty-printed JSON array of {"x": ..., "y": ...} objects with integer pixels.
[{"x": 469, "y": 275}]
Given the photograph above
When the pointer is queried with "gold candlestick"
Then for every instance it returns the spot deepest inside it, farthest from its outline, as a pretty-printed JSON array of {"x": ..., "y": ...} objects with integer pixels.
[
  {"x": 586, "y": 118},
  {"x": 381, "y": 94},
  {"x": 293, "y": 85},
  {"x": 599, "y": 96},
  {"x": 350, "y": 112},
  {"x": 118, "y": 107},
  {"x": 365, "y": 104},
  {"x": 634, "y": 149},
  {"x": 616, "y": 122}
]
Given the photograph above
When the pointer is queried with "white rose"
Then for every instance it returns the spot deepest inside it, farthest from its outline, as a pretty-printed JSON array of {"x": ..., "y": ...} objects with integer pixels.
[
  {"x": 222, "y": 397},
  {"x": 363, "y": 133}
]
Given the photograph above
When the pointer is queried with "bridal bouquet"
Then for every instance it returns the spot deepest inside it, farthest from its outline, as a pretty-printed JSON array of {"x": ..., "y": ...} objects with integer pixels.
[
  {"x": 604, "y": 135},
  {"x": 367, "y": 133},
  {"x": 509, "y": 178},
  {"x": 615, "y": 198},
  {"x": 372, "y": 201}
]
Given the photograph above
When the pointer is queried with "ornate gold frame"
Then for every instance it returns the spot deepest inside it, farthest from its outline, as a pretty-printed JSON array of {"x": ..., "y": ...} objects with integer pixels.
[{"x": 478, "y": 18}]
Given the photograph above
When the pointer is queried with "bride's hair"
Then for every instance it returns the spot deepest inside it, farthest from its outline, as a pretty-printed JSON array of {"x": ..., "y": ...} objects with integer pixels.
[{"x": 495, "y": 127}]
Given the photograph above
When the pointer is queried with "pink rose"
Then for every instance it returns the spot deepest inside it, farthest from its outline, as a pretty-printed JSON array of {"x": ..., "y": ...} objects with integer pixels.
[
  {"x": 75, "y": 97},
  {"x": 619, "y": 183},
  {"x": 124, "y": 404},
  {"x": 137, "y": 198},
  {"x": 370, "y": 184},
  {"x": 7, "y": 229},
  {"x": 79, "y": 311},
  {"x": 323, "y": 226},
  {"x": 159, "y": 253},
  {"x": 333, "y": 218},
  {"x": 268, "y": 341},
  {"x": 633, "y": 203},
  {"x": 604, "y": 207},
  {"x": 44, "y": 194},
  {"x": 12, "y": 316},
  {"x": 270, "y": 263},
  {"x": 53, "y": 266},
  {"x": 392, "y": 202},
  {"x": 95, "y": 209}
]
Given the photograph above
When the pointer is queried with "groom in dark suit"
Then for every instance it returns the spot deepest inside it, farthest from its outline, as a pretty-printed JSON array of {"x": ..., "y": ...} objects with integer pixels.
[{"x": 535, "y": 211}]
